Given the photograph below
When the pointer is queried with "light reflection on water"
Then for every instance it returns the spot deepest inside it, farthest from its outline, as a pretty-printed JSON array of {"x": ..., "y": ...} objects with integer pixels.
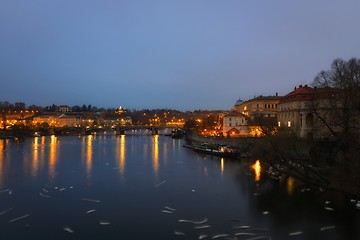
[
  {"x": 122, "y": 154},
  {"x": 257, "y": 170},
  {"x": 133, "y": 178}
]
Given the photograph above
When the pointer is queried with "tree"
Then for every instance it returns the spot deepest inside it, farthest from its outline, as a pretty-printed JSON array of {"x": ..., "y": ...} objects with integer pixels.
[
  {"x": 344, "y": 76},
  {"x": 331, "y": 162}
]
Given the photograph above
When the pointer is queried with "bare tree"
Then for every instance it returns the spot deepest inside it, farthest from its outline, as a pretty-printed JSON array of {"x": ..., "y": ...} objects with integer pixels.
[
  {"x": 344, "y": 76},
  {"x": 332, "y": 161}
]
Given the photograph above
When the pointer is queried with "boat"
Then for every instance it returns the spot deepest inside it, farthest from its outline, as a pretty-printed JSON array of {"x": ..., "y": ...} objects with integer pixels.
[{"x": 217, "y": 150}]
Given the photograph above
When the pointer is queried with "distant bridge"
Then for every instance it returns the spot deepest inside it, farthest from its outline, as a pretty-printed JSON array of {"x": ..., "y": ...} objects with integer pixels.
[{"x": 118, "y": 129}]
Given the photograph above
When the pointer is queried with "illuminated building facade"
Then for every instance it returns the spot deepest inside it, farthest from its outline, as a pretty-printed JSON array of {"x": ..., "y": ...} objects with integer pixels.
[
  {"x": 235, "y": 124},
  {"x": 303, "y": 111}
]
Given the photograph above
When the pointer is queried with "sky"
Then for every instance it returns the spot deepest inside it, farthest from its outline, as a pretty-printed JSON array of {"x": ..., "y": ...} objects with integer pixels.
[{"x": 175, "y": 54}]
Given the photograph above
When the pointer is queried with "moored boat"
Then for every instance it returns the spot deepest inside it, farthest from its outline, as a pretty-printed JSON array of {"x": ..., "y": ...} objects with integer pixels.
[{"x": 217, "y": 150}]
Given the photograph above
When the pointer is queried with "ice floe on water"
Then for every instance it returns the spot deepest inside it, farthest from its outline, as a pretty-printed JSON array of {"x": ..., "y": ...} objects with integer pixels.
[
  {"x": 221, "y": 235},
  {"x": 201, "y": 226},
  {"x": 103, "y": 222},
  {"x": 167, "y": 211},
  {"x": 5, "y": 211},
  {"x": 327, "y": 228},
  {"x": 242, "y": 227},
  {"x": 202, "y": 236},
  {"x": 179, "y": 233},
  {"x": 295, "y": 233},
  {"x": 194, "y": 221},
  {"x": 90, "y": 200},
  {"x": 44, "y": 195},
  {"x": 90, "y": 211},
  {"x": 329, "y": 209},
  {"x": 19, "y": 218},
  {"x": 68, "y": 229},
  {"x": 170, "y": 209},
  {"x": 160, "y": 183}
]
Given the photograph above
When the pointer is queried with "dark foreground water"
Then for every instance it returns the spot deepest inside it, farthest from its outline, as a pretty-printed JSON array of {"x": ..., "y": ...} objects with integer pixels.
[{"x": 150, "y": 187}]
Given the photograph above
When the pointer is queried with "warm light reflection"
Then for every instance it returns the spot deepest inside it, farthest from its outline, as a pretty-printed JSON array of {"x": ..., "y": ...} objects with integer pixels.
[
  {"x": 2, "y": 149},
  {"x": 222, "y": 165},
  {"x": 35, "y": 162},
  {"x": 257, "y": 169},
  {"x": 290, "y": 185},
  {"x": 122, "y": 155},
  {"x": 89, "y": 149},
  {"x": 155, "y": 153},
  {"x": 52, "y": 157}
]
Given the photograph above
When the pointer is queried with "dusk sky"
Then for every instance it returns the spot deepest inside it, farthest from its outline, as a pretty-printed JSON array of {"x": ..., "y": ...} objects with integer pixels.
[{"x": 179, "y": 54}]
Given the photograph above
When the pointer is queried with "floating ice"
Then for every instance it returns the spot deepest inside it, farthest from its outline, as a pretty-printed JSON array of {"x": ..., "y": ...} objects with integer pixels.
[
  {"x": 220, "y": 235},
  {"x": 327, "y": 228},
  {"x": 15, "y": 219},
  {"x": 90, "y": 200},
  {"x": 166, "y": 211},
  {"x": 68, "y": 229},
  {"x": 260, "y": 237},
  {"x": 202, "y": 236},
  {"x": 161, "y": 183},
  {"x": 102, "y": 222},
  {"x": 329, "y": 209},
  {"x": 44, "y": 195},
  {"x": 5, "y": 211},
  {"x": 244, "y": 234},
  {"x": 170, "y": 209},
  {"x": 242, "y": 227},
  {"x": 295, "y": 233},
  {"x": 6, "y": 190},
  {"x": 202, "y": 226},
  {"x": 194, "y": 222},
  {"x": 266, "y": 212},
  {"x": 179, "y": 233},
  {"x": 90, "y": 211}
]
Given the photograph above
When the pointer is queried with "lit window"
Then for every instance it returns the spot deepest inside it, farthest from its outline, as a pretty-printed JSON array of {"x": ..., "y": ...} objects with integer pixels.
[
  {"x": 289, "y": 123},
  {"x": 279, "y": 124}
]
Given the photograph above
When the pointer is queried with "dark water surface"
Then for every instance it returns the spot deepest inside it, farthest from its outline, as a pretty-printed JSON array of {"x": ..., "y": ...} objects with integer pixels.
[{"x": 150, "y": 187}]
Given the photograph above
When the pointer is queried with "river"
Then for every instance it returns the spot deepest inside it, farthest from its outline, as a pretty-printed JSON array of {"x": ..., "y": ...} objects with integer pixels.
[{"x": 150, "y": 187}]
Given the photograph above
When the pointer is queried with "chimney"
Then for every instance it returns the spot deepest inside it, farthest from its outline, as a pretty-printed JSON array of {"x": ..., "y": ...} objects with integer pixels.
[{"x": 300, "y": 86}]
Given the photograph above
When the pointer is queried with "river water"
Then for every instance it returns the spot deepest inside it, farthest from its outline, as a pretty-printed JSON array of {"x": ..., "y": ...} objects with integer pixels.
[{"x": 150, "y": 187}]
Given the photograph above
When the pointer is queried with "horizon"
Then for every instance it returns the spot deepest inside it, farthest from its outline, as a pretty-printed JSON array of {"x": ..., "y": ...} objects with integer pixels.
[{"x": 182, "y": 55}]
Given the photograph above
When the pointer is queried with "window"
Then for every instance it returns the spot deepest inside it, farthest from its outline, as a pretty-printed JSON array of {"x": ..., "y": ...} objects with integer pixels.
[
  {"x": 289, "y": 123},
  {"x": 279, "y": 124}
]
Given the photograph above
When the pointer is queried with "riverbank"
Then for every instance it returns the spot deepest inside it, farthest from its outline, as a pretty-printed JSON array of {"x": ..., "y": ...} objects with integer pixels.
[{"x": 311, "y": 161}]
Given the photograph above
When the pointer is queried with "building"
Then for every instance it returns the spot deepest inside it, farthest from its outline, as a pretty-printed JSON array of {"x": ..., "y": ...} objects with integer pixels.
[
  {"x": 258, "y": 107},
  {"x": 248, "y": 118},
  {"x": 305, "y": 112},
  {"x": 235, "y": 124},
  {"x": 64, "y": 108},
  {"x": 58, "y": 120}
]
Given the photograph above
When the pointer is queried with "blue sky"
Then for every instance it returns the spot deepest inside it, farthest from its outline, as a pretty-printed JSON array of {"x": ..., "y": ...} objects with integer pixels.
[{"x": 176, "y": 54}]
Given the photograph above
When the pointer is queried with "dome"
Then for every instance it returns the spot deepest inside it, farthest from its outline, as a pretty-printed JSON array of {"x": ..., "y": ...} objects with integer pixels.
[{"x": 239, "y": 102}]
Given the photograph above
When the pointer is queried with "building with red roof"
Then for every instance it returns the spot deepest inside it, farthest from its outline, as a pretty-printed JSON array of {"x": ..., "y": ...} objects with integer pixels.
[{"x": 305, "y": 110}]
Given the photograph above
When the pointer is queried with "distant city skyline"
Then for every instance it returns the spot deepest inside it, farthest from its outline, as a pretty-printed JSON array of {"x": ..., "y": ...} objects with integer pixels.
[{"x": 183, "y": 55}]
